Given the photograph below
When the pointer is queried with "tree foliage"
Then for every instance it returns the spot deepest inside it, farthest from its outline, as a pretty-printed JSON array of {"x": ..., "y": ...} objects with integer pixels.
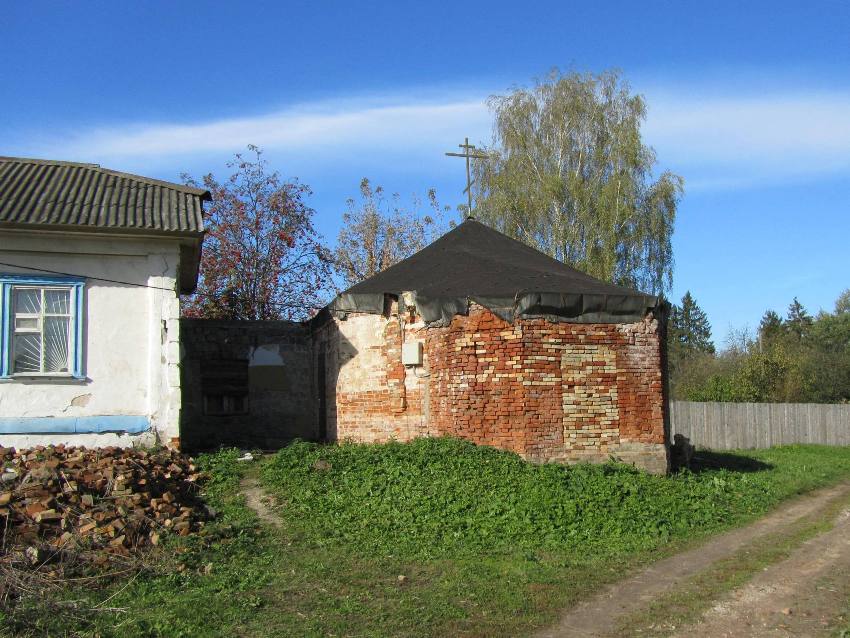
[
  {"x": 796, "y": 359},
  {"x": 262, "y": 258},
  {"x": 378, "y": 232},
  {"x": 569, "y": 174},
  {"x": 688, "y": 334},
  {"x": 842, "y": 304},
  {"x": 771, "y": 327},
  {"x": 689, "y": 331}
]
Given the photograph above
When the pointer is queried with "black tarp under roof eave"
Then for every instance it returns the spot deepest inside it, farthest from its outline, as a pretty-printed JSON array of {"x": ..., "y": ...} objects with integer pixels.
[{"x": 556, "y": 307}]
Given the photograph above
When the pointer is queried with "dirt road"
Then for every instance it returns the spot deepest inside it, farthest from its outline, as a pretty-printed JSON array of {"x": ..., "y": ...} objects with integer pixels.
[{"x": 799, "y": 596}]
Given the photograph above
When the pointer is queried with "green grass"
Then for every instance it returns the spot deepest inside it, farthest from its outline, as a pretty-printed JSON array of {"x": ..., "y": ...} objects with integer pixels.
[
  {"x": 488, "y": 545},
  {"x": 435, "y": 498}
]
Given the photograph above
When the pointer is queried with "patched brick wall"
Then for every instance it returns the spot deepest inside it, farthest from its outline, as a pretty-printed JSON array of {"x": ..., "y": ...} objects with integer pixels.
[
  {"x": 368, "y": 395},
  {"x": 589, "y": 399},
  {"x": 548, "y": 391},
  {"x": 478, "y": 387}
]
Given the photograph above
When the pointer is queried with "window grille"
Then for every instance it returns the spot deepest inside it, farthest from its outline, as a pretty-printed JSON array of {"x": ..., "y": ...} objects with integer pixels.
[
  {"x": 42, "y": 330},
  {"x": 41, "y": 326}
]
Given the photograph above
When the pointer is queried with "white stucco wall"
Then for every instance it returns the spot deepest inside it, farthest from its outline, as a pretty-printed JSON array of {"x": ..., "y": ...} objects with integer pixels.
[{"x": 131, "y": 349}]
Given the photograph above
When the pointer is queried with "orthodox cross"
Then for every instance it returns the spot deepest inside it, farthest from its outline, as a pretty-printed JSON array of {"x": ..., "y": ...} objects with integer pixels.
[{"x": 469, "y": 151}]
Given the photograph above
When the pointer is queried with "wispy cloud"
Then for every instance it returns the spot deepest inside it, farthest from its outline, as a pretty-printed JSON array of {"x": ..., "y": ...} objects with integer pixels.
[
  {"x": 715, "y": 141},
  {"x": 729, "y": 142},
  {"x": 323, "y": 128}
]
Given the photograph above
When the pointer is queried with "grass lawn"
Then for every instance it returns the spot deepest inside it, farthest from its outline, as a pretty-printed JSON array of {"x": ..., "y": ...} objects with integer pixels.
[{"x": 431, "y": 538}]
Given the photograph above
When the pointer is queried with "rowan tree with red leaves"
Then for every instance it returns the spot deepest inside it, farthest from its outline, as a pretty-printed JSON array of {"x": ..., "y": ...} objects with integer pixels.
[{"x": 262, "y": 257}]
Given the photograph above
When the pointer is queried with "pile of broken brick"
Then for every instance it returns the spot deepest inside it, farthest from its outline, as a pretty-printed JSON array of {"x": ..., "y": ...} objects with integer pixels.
[{"x": 112, "y": 500}]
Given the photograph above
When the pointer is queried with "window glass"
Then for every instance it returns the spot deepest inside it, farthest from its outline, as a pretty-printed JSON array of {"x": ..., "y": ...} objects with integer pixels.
[
  {"x": 27, "y": 301},
  {"x": 26, "y": 323},
  {"x": 56, "y": 341},
  {"x": 42, "y": 330},
  {"x": 57, "y": 302},
  {"x": 27, "y": 348}
]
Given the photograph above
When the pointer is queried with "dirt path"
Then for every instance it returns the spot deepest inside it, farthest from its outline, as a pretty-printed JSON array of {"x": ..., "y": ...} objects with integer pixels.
[
  {"x": 800, "y": 596},
  {"x": 257, "y": 500},
  {"x": 600, "y": 615}
]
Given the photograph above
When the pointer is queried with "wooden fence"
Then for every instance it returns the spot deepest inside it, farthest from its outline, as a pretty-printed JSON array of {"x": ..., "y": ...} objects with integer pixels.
[{"x": 729, "y": 426}]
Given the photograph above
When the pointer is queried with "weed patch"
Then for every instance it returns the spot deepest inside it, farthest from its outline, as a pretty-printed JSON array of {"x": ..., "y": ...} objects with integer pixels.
[
  {"x": 430, "y": 538},
  {"x": 447, "y": 498}
]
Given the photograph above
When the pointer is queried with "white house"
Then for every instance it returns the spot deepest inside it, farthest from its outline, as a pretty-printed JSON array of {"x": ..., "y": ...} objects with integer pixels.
[{"x": 91, "y": 265}]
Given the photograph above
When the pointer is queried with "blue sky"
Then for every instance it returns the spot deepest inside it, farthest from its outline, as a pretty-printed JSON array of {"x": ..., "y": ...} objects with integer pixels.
[{"x": 750, "y": 102}]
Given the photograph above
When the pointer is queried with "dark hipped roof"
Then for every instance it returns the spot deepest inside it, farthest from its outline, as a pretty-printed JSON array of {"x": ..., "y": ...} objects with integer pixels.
[
  {"x": 473, "y": 262},
  {"x": 36, "y": 192},
  {"x": 70, "y": 196}
]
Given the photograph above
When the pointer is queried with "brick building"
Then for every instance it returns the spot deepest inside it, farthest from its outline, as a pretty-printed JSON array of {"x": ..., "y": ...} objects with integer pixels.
[{"x": 482, "y": 337}]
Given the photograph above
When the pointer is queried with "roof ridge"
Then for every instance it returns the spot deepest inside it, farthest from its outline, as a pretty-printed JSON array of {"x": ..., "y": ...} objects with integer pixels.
[
  {"x": 37, "y": 160},
  {"x": 521, "y": 245},
  {"x": 471, "y": 244},
  {"x": 192, "y": 190}
]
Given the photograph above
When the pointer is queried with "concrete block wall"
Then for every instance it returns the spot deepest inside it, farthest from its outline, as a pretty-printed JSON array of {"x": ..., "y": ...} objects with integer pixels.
[{"x": 275, "y": 358}]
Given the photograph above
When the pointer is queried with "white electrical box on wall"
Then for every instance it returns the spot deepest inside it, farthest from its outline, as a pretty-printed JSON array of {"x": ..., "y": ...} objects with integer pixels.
[{"x": 411, "y": 353}]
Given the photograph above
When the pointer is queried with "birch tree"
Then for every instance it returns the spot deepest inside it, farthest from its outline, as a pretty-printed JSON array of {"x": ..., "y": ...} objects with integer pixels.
[{"x": 569, "y": 174}]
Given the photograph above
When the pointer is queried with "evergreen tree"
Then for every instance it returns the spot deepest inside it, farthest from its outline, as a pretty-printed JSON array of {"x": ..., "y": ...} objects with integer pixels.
[
  {"x": 798, "y": 322},
  {"x": 771, "y": 328},
  {"x": 674, "y": 336},
  {"x": 691, "y": 328},
  {"x": 801, "y": 359}
]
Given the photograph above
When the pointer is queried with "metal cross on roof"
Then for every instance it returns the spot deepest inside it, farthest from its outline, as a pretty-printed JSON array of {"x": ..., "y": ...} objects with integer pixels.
[{"x": 468, "y": 152}]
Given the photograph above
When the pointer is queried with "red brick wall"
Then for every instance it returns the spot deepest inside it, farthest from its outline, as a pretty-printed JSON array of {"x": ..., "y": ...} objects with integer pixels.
[{"x": 548, "y": 391}]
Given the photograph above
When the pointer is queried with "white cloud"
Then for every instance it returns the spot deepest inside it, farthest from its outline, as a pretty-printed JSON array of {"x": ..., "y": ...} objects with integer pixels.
[
  {"x": 729, "y": 142},
  {"x": 715, "y": 141},
  {"x": 319, "y": 128}
]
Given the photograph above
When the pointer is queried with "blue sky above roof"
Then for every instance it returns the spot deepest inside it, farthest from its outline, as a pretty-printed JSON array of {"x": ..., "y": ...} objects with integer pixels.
[{"x": 748, "y": 101}]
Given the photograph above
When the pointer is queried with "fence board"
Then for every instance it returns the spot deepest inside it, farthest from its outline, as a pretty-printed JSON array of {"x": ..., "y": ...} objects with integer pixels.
[{"x": 727, "y": 426}]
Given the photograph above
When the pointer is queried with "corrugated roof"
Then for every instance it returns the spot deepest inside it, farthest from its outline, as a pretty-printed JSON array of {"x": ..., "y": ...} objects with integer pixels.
[{"x": 47, "y": 192}]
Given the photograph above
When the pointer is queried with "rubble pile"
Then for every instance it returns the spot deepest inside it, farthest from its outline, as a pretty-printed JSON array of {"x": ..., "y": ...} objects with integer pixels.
[{"x": 112, "y": 500}]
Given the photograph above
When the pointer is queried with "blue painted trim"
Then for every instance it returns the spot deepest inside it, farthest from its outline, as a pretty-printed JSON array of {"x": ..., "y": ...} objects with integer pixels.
[
  {"x": 77, "y": 364},
  {"x": 38, "y": 280},
  {"x": 5, "y": 328},
  {"x": 7, "y": 281},
  {"x": 74, "y": 425}
]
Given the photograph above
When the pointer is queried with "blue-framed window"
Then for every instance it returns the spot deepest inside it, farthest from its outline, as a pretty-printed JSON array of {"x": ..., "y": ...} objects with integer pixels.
[{"x": 41, "y": 326}]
